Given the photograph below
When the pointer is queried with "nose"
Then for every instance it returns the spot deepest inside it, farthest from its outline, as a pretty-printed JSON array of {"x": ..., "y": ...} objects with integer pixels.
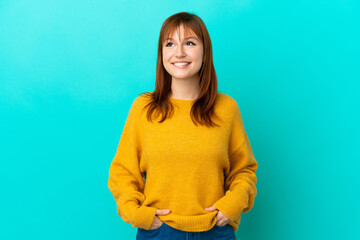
[{"x": 180, "y": 52}]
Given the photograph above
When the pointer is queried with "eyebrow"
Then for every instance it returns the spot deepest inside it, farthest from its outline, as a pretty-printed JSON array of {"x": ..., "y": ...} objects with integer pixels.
[{"x": 184, "y": 38}]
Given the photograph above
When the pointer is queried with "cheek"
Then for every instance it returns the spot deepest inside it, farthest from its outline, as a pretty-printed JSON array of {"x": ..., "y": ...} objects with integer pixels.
[
  {"x": 166, "y": 57},
  {"x": 199, "y": 58},
  {"x": 201, "y": 54},
  {"x": 198, "y": 55}
]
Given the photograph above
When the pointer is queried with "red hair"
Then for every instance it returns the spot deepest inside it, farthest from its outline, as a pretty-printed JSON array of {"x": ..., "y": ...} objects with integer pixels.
[{"x": 203, "y": 107}]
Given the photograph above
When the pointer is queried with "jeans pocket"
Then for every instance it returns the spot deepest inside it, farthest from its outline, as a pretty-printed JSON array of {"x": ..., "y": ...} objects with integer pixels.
[{"x": 217, "y": 226}]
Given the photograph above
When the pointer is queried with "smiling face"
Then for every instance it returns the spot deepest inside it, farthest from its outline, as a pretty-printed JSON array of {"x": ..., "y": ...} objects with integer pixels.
[{"x": 182, "y": 55}]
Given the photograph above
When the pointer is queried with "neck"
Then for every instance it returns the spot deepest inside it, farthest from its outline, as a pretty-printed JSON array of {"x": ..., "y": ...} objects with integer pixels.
[{"x": 187, "y": 89}]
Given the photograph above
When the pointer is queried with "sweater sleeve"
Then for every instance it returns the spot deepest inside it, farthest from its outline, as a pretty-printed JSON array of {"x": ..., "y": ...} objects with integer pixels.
[
  {"x": 240, "y": 180},
  {"x": 126, "y": 182}
]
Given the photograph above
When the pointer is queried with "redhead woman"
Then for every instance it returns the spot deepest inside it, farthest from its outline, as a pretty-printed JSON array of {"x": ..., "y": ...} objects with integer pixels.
[{"x": 184, "y": 167}]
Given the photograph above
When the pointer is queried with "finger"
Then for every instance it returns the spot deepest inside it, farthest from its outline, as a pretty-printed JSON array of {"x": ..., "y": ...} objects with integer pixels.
[
  {"x": 220, "y": 223},
  {"x": 212, "y": 208},
  {"x": 162, "y": 211}
]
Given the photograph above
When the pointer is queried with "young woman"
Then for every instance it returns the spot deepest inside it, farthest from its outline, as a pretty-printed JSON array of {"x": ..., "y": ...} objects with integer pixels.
[{"x": 184, "y": 167}]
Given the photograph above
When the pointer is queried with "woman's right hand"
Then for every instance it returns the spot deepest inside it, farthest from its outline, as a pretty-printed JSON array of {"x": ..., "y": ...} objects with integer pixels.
[{"x": 157, "y": 222}]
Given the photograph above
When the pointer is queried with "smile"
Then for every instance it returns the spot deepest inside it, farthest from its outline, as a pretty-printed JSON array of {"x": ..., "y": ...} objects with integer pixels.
[{"x": 181, "y": 64}]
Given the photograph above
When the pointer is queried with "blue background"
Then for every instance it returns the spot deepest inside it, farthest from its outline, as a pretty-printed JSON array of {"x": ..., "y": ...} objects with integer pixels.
[{"x": 69, "y": 71}]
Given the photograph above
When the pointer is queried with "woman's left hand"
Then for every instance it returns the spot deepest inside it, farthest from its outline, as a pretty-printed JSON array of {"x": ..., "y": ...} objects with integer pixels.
[{"x": 222, "y": 220}]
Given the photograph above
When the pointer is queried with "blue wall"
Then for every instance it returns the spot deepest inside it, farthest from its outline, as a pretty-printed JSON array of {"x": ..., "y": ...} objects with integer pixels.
[{"x": 69, "y": 71}]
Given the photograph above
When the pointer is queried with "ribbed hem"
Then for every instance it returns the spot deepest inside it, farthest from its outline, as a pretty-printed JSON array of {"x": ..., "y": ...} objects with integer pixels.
[{"x": 199, "y": 223}]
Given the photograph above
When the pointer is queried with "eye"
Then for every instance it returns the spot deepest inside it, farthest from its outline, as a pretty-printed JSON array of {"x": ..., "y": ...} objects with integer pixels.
[{"x": 193, "y": 44}]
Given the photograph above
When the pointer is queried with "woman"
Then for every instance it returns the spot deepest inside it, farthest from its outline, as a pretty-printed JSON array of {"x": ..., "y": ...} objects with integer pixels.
[{"x": 184, "y": 166}]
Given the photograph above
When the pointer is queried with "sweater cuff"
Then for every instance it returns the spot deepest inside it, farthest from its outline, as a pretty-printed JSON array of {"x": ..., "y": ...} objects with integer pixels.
[
  {"x": 140, "y": 216},
  {"x": 232, "y": 205}
]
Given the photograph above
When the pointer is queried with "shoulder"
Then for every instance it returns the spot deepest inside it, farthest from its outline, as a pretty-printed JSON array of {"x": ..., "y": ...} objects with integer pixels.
[
  {"x": 228, "y": 107},
  {"x": 140, "y": 100},
  {"x": 227, "y": 102},
  {"x": 138, "y": 103}
]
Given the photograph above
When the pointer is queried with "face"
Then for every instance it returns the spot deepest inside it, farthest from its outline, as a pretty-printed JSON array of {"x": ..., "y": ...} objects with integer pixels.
[{"x": 184, "y": 51}]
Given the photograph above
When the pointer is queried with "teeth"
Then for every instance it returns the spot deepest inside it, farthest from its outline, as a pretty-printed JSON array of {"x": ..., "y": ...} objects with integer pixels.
[{"x": 181, "y": 64}]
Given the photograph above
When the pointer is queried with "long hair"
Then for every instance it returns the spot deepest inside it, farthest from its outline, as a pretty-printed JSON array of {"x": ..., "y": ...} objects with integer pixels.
[{"x": 203, "y": 107}]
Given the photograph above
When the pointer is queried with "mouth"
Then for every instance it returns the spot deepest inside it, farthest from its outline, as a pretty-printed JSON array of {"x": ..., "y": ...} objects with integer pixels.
[{"x": 181, "y": 64}]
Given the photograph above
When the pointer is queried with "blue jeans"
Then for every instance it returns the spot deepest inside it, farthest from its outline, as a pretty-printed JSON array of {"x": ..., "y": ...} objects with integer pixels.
[{"x": 166, "y": 232}]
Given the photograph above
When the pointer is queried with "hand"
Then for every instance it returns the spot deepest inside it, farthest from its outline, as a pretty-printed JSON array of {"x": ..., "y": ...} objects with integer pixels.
[
  {"x": 222, "y": 220},
  {"x": 157, "y": 222}
]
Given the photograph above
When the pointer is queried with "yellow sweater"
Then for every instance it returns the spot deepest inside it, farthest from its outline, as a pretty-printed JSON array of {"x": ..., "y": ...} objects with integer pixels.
[{"x": 182, "y": 167}]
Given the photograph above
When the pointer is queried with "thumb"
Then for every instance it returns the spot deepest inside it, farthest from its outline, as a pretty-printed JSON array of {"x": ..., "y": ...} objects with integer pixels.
[
  {"x": 212, "y": 208},
  {"x": 162, "y": 211}
]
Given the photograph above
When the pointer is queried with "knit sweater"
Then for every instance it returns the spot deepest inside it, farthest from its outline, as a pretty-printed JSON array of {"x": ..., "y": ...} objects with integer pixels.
[{"x": 186, "y": 168}]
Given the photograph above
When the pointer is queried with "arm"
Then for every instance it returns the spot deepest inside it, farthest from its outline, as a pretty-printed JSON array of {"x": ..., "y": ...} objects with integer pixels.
[
  {"x": 126, "y": 182},
  {"x": 240, "y": 180}
]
